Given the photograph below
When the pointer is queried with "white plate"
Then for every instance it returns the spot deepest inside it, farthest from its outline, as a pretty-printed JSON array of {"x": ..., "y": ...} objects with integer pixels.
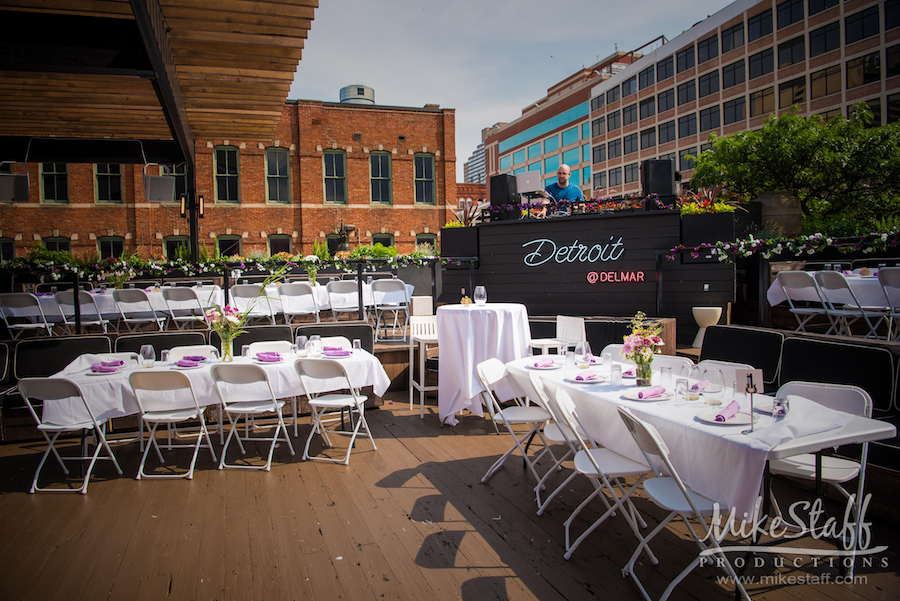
[
  {"x": 324, "y": 356},
  {"x": 709, "y": 416},
  {"x": 258, "y": 362},
  {"x": 554, "y": 366},
  {"x": 632, "y": 395},
  {"x": 176, "y": 366},
  {"x": 102, "y": 373},
  {"x": 628, "y": 376},
  {"x": 763, "y": 405},
  {"x": 595, "y": 380}
]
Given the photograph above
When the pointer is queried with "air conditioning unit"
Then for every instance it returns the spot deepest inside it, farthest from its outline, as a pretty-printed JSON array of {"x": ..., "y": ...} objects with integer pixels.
[
  {"x": 159, "y": 188},
  {"x": 13, "y": 187}
]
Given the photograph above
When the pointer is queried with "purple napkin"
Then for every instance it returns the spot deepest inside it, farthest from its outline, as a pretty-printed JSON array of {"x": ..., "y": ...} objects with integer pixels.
[
  {"x": 338, "y": 353},
  {"x": 586, "y": 375},
  {"x": 188, "y": 363},
  {"x": 103, "y": 369},
  {"x": 44, "y": 294},
  {"x": 332, "y": 348},
  {"x": 628, "y": 373},
  {"x": 544, "y": 363},
  {"x": 116, "y": 363},
  {"x": 728, "y": 412},
  {"x": 268, "y": 357},
  {"x": 96, "y": 291},
  {"x": 700, "y": 386},
  {"x": 653, "y": 391},
  {"x": 195, "y": 358}
]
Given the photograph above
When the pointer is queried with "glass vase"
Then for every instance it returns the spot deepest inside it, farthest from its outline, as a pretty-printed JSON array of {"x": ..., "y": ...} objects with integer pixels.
[
  {"x": 642, "y": 373},
  {"x": 228, "y": 350}
]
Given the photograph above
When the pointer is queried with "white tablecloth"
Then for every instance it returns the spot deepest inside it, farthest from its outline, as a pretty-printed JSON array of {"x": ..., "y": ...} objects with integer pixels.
[
  {"x": 468, "y": 336},
  {"x": 867, "y": 289},
  {"x": 107, "y": 305},
  {"x": 322, "y": 299},
  {"x": 717, "y": 461},
  {"x": 109, "y": 395}
]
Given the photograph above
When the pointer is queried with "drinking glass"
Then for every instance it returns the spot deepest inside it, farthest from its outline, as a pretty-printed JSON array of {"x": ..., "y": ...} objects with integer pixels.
[
  {"x": 715, "y": 387},
  {"x": 586, "y": 351},
  {"x": 570, "y": 360},
  {"x": 480, "y": 295},
  {"x": 314, "y": 346},
  {"x": 606, "y": 361},
  {"x": 148, "y": 355},
  {"x": 780, "y": 407},
  {"x": 665, "y": 377},
  {"x": 615, "y": 374},
  {"x": 582, "y": 361},
  {"x": 561, "y": 351},
  {"x": 164, "y": 355},
  {"x": 357, "y": 344},
  {"x": 245, "y": 350},
  {"x": 681, "y": 389},
  {"x": 301, "y": 345}
]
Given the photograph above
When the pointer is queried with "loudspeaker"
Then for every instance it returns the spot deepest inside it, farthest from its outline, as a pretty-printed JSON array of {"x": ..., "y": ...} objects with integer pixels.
[
  {"x": 504, "y": 192},
  {"x": 658, "y": 177},
  {"x": 159, "y": 188},
  {"x": 13, "y": 187}
]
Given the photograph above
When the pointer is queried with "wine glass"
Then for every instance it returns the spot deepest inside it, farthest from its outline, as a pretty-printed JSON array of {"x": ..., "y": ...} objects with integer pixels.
[
  {"x": 314, "y": 346},
  {"x": 148, "y": 355},
  {"x": 715, "y": 386},
  {"x": 302, "y": 341},
  {"x": 480, "y": 295}
]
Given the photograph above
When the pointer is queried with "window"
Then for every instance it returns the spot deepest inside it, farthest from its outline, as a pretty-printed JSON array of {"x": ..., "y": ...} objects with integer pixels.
[
  {"x": 632, "y": 173},
  {"x": 893, "y": 108},
  {"x": 759, "y": 25},
  {"x": 586, "y": 176},
  {"x": 175, "y": 246},
  {"x": 7, "y": 249},
  {"x": 430, "y": 239},
  {"x": 570, "y": 157},
  {"x": 535, "y": 166},
  {"x": 791, "y": 52},
  {"x": 6, "y": 167},
  {"x": 179, "y": 172},
  {"x": 380, "y": 177},
  {"x": 687, "y": 92},
  {"x": 648, "y": 138},
  {"x": 597, "y": 102},
  {"x": 575, "y": 178},
  {"x": 828, "y": 115},
  {"x": 707, "y": 49},
  {"x": 585, "y": 130},
  {"x": 109, "y": 183},
  {"x": 733, "y": 74},
  {"x": 598, "y": 126},
  {"x": 665, "y": 68},
  {"x": 229, "y": 246},
  {"x": 762, "y": 102},
  {"x": 615, "y": 177},
  {"x": 733, "y": 110},
  {"x": 629, "y": 114},
  {"x": 817, "y": 6},
  {"x": 518, "y": 157},
  {"x": 687, "y": 125},
  {"x": 280, "y": 243},
  {"x": 568, "y": 137},
  {"x": 789, "y": 12},
  {"x": 892, "y": 61},
  {"x": 54, "y": 182},
  {"x": 505, "y": 162},
  {"x": 424, "y": 173},
  {"x": 599, "y": 153},
  {"x": 683, "y": 162},
  {"x": 614, "y": 149},
  {"x": 665, "y": 100},
  {"x": 874, "y": 106},
  {"x": 227, "y": 178},
  {"x": 710, "y": 118},
  {"x": 585, "y": 153},
  {"x": 630, "y": 143},
  {"x": 891, "y": 20},
  {"x": 629, "y": 86},
  {"x": 709, "y": 83},
  {"x": 613, "y": 121},
  {"x": 861, "y": 25},
  {"x": 551, "y": 144},
  {"x": 645, "y": 78},
  {"x": 56, "y": 243},
  {"x": 863, "y": 70},
  {"x": 534, "y": 151},
  {"x": 825, "y": 82},
  {"x": 385, "y": 240},
  {"x": 685, "y": 59},
  {"x": 612, "y": 95},
  {"x": 111, "y": 247},
  {"x": 732, "y": 38},
  {"x": 762, "y": 63},
  {"x": 648, "y": 108},
  {"x": 666, "y": 132},
  {"x": 668, "y": 157},
  {"x": 551, "y": 164},
  {"x": 600, "y": 179},
  {"x": 278, "y": 177},
  {"x": 825, "y": 38},
  {"x": 335, "y": 176},
  {"x": 791, "y": 92}
]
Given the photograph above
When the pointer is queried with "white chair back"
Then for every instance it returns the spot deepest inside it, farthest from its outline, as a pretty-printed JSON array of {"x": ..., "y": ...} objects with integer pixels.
[
  {"x": 835, "y": 289},
  {"x": 616, "y": 350},
  {"x": 799, "y": 286},
  {"x": 336, "y": 341},
  {"x": 177, "y": 353},
  {"x": 241, "y": 382},
  {"x": 271, "y": 346},
  {"x": 343, "y": 295},
  {"x": 570, "y": 329},
  {"x": 890, "y": 282},
  {"x": 389, "y": 292},
  {"x": 298, "y": 298},
  {"x": 840, "y": 397},
  {"x": 421, "y": 306},
  {"x": 423, "y": 326},
  {"x": 158, "y": 390},
  {"x": 728, "y": 368},
  {"x": 675, "y": 362}
]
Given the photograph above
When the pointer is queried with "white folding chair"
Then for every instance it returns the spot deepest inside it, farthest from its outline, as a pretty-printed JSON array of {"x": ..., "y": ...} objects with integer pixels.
[
  {"x": 422, "y": 334},
  {"x": 298, "y": 299},
  {"x": 617, "y": 351},
  {"x": 842, "y": 306},
  {"x": 185, "y": 307},
  {"x": 491, "y": 374},
  {"x": 20, "y": 312},
  {"x": 158, "y": 394},
  {"x": 728, "y": 369},
  {"x": 248, "y": 299},
  {"x": 803, "y": 296},
  {"x": 569, "y": 332},
  {"x": 341, "y": 342},
  {"x": 90, "y": 313},
  {"x": 390, "y": 298},
  {"x": 889, "y": 277},
  {"x": 135, "y": 309},
  {"x": 671, "y": 493},
  {"x": 311, "y": 370},
  {"x": 343, "y": 295},
  {"x": 60, "y": 390},
  {"x": 675, "y": 362},
  {"x": 177, "y": 353},
  {"x": 284, "y": 347},
  {"x": 240, "y": 387}
]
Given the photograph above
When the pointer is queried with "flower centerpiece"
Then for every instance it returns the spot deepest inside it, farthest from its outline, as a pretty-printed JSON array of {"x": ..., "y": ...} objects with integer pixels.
[
  {"x": 640, "y": 345},
  {"x": 227, "y": 323},
  {"x": 311, "y": 263}
]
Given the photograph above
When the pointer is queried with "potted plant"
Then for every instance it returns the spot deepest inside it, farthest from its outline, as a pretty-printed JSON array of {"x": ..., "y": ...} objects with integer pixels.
[{"x": 707, "y": 216}]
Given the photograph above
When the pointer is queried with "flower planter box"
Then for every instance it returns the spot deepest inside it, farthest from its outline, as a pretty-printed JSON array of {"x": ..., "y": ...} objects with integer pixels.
[{"x": 705, "y": 228}]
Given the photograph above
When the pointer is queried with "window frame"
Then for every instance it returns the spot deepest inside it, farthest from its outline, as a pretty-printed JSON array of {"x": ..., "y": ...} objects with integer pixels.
[
  {"x": 708, "y": 83},
  {"x": 179, "y": 172},
  {"x": 630, "y": 144},
  {"x": 58, "y": 178},
  {"x": 598, "y": 154},
  {"x": 648, "y": 138},
  {"x": 825, "y": 78},
  {"x": 687, "y": 92},
  {"x": 685, "y": 60},
  {"x": 381, "y": 179},
  {"x": 707, "y": 49},
  {"x": 687, "y": 122},
  {"x": 759, "y": 25},
  {"x": 224, "y": 178},
  {"x": 670, "y": 100},
  {"x": 59, "y": 243},
  {"x": 646, "y": 78},
  {"x": 830, "y": 36},
  {"x": 643, "y": 112},
  {"x": 766, "y": 61},
  {"x": 110, "y": 178},
  {"x": 788, "y": 52},
  {"x": 710, "y": 118},
  {"x": 614, "y": 149},
  {"x": 732, "y": 34},
  {"x": 334, "y": 183},
  {"x": 177, "y": 240},
  {"x": 111, "y": 241},
  {"x": 629, "y": 114},
  {"x": 7, "y": 248},
  {"x": 598, "y": 126},
  {"x": 684, "y": 164},
  {"x": 798, "y": 83},
  {"x": 734, "y": 74},
  {"x": 820, "y": 5},
  {"x": 632, "y": 173},
  {"x": 865, "y": 17},
  {"x": 764, "y": 97},
  {"x": 670, "y": 131},
  {"x": 423, "y": 156},
  {"x": 615, "y": 177},
  {"x": 613, "y": 121},
  {"x": 730, "y": 107},
  {"x": 279, "y": 178},
  {"x": 667, "y": 66},
  {"x": 235, "y": 240},
  {"x": 272, "y": 237},
  {"x": 789, "y": 12},
  {"x": 866, "y": 62},
  {"x": 629, "y": 86}
]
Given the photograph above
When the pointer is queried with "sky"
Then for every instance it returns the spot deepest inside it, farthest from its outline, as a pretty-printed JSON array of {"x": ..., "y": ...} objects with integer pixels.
[{"x": 487, "y": 59}]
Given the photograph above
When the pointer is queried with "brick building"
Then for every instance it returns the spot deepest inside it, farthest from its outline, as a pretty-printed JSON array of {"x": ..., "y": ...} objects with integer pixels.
[{"x": 390, "y": 171}]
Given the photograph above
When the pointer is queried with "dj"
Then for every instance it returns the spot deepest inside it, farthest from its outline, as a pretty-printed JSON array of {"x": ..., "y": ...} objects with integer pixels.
[{"x": 560, "y": 190}]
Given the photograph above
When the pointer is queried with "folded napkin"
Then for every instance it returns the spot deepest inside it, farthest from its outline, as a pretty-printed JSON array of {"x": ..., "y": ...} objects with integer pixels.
[
  {"x": 188, "y": 363},
  {"x": 544, "y": 363},
  {"x": 338, "y": 353},
  {"x": 44, "y": 294},
  {"x": 195, "y": 358},
  {"x": 96, "y": 291},
  {"x": 268, "y": 357},
  {"x": 628, "y": 373},
  {"x": 103, "y": 369},
  {"x": 653, "y": 391},
  {"x": 700, "y": 386},
  {"x": 116, "y": 363},
  {"x": 332, "y": 348},
  {"x": 730, "y": 410},
  {"x": 270, "y": 354},
  {"x": 586, "y": 375}
]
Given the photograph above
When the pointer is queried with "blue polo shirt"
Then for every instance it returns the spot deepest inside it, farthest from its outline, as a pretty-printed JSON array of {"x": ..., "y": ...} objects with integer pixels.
[{"x": 570, "y": 192}]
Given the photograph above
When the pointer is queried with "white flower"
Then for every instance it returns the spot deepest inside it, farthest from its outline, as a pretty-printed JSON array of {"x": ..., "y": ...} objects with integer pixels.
[{"x": 313, "y": 258}]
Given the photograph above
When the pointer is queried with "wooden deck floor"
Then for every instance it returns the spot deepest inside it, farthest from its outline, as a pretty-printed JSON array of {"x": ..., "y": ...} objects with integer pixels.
[{"x": 408, "y": 521}]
